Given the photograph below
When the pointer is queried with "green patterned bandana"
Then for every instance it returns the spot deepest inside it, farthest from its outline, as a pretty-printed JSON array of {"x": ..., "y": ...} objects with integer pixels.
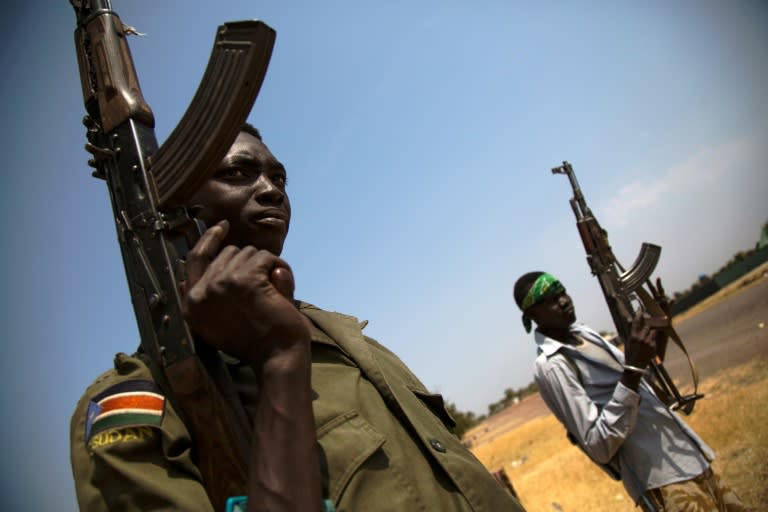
[{"x": 545, "y": 286}]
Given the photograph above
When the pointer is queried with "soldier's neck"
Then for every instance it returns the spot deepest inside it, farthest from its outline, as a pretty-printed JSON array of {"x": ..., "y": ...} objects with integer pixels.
[{"x": 563, "y": 335}]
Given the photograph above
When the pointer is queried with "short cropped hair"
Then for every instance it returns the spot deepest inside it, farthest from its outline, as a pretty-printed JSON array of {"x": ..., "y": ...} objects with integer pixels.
[
  {"x": 250, "y": 129},
  {"x": 524, "y": 284}
]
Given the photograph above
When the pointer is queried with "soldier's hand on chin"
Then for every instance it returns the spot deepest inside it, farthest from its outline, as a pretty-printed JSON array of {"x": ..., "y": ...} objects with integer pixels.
[{"x": 239, "y": 300}]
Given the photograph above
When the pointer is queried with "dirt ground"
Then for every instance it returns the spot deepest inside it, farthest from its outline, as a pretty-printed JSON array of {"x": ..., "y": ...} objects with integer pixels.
[
  {"x": 748, "y": 289},
  {"x": 550, "y": 474}
]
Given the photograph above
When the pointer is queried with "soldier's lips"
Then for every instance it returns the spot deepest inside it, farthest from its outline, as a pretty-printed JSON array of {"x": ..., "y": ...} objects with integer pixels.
[
  {"x": 276, "y": 222},
  {"x": 271, "y": 218}
]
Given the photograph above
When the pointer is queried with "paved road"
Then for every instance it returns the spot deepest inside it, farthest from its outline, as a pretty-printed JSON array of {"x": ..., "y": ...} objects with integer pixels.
[{"x": 726, "y": 334}]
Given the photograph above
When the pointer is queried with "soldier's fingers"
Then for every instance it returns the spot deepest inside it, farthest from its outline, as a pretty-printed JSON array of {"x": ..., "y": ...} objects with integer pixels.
[
  {"x": 639, "y": 319},
  {"x": 221, "y": 263},
  {"x": 282, "y": 279},
  {"x": 653, "y": 338},
  {"x": 204, "y": 251},
  {"x": 251, "y": 260},
  {"x": 641, "y": 323}
]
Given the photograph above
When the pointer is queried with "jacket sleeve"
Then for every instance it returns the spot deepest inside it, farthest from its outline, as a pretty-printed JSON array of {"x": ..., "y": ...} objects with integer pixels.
[
  {"x": 132, "y": 463},
  {"x": 599, "y": 431}
]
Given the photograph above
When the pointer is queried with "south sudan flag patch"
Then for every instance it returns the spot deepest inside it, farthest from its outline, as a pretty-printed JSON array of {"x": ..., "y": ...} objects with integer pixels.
[{"x": 134, "y": 403}]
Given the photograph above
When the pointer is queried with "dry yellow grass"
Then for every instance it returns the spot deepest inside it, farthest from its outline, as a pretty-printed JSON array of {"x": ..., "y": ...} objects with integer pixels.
[
  {"x": 733, "y": 419},
  {"x": 549, "y": 474}
]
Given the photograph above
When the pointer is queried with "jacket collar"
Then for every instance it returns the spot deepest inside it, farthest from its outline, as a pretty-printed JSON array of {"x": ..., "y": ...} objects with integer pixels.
[{"x": 549, "y": 346}]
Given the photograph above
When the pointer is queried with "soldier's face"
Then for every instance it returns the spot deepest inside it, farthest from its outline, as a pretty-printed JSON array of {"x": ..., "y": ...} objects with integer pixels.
[
  {"x": 248, "y": 190},
  {"x": 556, "y": 312}
]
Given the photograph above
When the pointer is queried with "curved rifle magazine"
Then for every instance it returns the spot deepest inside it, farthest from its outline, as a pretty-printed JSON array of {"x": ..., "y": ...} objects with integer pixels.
[
  {"x": 230, "y": 84},
  {"x": 641, "y": 269}
]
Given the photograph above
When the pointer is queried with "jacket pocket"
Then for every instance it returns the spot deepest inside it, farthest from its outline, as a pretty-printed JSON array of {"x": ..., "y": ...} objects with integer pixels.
[
  {"x": 436, "y": 405},
  {"x": 346, "y": 442}
]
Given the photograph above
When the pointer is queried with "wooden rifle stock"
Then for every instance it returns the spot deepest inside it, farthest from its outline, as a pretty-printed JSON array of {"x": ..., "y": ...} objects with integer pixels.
[{"x": 149, "y": 187}]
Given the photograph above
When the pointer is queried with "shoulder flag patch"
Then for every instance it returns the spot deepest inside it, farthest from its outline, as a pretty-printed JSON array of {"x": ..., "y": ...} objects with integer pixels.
[{"x": 131, "y": 403}]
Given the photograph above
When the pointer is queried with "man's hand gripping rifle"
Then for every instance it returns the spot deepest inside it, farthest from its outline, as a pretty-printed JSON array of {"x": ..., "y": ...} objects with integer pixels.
[
  {"x": 624, "y": 290},
  {"x": 149, "y": 187}
]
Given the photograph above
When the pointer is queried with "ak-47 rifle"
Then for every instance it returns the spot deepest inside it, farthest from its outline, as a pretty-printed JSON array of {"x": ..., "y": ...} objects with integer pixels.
[
  {"x": 625, "y": 289},
  {"x": 149, "y": 187}
]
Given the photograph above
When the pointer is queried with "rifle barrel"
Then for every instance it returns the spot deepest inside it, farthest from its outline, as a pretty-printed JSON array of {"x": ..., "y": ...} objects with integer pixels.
[{"x": 619, "y": 287}]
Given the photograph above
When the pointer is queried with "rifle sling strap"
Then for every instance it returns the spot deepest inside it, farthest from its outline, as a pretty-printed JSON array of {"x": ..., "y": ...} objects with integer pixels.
[{"x": 664, "y": 322}]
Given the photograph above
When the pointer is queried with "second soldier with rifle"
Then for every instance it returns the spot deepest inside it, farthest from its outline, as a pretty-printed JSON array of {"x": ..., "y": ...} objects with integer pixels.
[
  {"x": 605, "y": 401},
  {"x": 619, "y": 407}
]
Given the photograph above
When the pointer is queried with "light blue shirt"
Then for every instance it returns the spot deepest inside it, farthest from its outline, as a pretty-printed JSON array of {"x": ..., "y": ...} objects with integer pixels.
[{"x": 652, "y": 446}]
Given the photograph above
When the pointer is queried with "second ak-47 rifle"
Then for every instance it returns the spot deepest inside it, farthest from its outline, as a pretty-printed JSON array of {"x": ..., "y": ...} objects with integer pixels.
[
  {"x": 149, "y": 187},
  {"x": 624, "y": 290}
]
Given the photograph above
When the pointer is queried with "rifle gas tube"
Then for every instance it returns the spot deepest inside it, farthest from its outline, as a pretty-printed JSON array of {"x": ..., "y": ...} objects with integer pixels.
[
  {"x": 149, "y": 187},
  {"x": 623, "y": 289}
]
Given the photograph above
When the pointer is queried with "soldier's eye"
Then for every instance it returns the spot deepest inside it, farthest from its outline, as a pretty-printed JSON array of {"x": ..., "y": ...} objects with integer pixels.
[
  {"x": 232, "y": 174},
  {"x": 280, "y": 180}
]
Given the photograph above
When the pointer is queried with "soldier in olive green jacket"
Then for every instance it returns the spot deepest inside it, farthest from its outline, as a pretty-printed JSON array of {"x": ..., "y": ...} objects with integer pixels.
[{"x": 305, "y": 377}]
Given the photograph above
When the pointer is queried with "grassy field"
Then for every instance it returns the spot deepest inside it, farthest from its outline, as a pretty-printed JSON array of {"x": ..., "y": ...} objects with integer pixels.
[{"x": 549, "y": 474}]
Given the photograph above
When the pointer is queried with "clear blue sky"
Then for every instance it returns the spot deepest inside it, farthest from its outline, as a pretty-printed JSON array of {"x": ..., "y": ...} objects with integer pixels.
[{"x": 418, "y": 137}]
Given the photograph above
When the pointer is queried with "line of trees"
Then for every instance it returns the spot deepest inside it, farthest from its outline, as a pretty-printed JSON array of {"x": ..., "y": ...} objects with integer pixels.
[
  {"x": 735, "y": 259},
  {"x": 467, "y": 420}
]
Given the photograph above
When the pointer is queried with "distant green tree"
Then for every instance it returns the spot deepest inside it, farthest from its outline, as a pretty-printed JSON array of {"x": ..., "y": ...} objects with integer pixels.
[
  {"x": 464, "y": 420},
  {"x": 494, "y": 408},
  {"x": 511, "y": 396},
  {"x": 735, "y": 259}
]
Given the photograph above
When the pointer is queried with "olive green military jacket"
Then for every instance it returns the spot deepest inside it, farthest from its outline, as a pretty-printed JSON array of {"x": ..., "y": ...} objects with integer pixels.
[{"x": 386, "y": 441}]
